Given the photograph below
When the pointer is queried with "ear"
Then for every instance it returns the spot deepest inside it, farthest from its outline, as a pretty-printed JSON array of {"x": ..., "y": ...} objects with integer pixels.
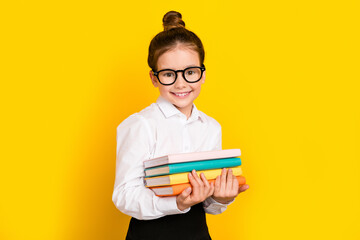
[
  {"x": 203, "y": 77},
  {"x": 153, "y": 79}
]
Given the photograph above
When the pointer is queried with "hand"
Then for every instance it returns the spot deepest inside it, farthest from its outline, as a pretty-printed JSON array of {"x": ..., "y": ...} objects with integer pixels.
[
  {"x": 227, "y": 187},
  {"x": 199, "y": 191}
]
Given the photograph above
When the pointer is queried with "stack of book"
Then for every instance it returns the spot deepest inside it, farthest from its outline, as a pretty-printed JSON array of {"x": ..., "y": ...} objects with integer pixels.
[{"x": 168, "y": 175}]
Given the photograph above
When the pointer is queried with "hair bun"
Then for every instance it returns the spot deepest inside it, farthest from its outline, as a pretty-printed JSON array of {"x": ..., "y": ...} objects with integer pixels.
[{"x": 173, "y": 19}]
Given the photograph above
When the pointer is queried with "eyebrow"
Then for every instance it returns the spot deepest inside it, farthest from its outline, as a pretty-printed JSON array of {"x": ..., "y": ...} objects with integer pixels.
[{"x": 187, "y": 66}]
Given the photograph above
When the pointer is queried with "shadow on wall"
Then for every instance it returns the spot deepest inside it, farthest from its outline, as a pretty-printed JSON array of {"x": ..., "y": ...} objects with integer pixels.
[{"x": 95, "y": 216}]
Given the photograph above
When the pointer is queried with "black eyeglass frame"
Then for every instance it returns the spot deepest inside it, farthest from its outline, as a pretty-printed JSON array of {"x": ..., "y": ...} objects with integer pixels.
[{"x": 176, "y": 75}]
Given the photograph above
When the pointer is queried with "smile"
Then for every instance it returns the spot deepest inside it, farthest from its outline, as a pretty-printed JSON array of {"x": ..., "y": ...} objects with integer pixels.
[{"x": 181, "y": 94}]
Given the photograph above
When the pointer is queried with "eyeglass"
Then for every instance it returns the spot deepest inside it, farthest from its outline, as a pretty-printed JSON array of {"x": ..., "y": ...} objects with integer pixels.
[{"x": 190, "y": 75}]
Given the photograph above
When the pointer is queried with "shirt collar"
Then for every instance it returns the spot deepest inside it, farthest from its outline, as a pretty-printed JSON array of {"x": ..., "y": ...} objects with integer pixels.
[{"x": 169, "y": 110}]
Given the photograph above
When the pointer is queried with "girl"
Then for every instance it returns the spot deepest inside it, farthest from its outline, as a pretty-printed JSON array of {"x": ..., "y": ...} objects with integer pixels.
[{"x": 171, "y": 125}]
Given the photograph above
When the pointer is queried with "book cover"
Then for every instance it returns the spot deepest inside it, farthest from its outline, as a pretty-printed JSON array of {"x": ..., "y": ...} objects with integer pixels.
[
  {"x": 174, "y": 190},
  {"x": 189, "y": 166},
  {"x": 194, "y": 156},
  {"x": 183, "y": 177}
]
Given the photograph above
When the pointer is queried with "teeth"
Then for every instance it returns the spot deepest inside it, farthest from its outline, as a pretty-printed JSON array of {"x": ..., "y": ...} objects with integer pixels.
[{"x": 181, "y": 94}]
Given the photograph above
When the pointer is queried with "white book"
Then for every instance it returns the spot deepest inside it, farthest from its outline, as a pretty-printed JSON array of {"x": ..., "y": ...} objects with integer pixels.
[{"x": 189, "y": 157}]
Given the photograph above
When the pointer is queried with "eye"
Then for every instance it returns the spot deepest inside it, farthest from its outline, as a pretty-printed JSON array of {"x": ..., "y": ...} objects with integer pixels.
[
  {"x": 167, "y": 74},
  {"x": 192, "y": 72}
]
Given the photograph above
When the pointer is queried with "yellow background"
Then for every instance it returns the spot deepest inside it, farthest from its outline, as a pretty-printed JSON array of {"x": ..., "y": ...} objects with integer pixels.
[{"x": 282, "y": 79}]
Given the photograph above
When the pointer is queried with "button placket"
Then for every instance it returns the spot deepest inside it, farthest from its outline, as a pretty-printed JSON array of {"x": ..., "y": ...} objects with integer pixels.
[{"x": 186, "y": 139}]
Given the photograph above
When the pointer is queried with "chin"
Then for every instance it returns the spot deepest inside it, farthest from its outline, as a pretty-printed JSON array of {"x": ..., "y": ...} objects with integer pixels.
[
  {"x": 181, "y": 102},
  {"x": 182, "y": 106}
]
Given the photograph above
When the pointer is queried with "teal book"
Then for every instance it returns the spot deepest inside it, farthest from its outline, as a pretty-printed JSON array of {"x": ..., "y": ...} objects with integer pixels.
[{"x": 189, "y": 166}]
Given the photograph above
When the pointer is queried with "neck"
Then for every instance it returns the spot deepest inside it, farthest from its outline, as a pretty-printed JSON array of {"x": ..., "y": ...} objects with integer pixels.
[{"x": 186, "y": 111}]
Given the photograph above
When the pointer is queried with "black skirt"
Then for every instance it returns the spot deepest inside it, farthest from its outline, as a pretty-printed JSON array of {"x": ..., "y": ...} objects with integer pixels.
[{"x": 191, "y": 225}]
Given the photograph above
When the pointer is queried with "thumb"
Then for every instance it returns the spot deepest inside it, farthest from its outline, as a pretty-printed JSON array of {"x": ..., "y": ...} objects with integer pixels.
[
  {"x": 185, "y": 193},
  {"x": 243, "y": 188},
  {"x": 181, "y": 199}
]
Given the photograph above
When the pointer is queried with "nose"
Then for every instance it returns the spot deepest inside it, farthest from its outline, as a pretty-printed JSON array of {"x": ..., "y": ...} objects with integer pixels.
[{"x": 180, "y": 81}]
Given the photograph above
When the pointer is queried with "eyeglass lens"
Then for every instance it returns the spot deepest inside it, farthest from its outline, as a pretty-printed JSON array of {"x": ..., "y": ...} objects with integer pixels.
[{"x": 169, "y": 76}]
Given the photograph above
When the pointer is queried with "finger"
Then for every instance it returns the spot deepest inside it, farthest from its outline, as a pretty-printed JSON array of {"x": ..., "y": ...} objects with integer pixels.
[
  {"x": 212, "y": 189},
  {"x": 243, "y": 188},
  {"x": 183, "y": 199},
  {"x": 223, "y": 180},
  {"x": 196, "y": 177},
  {"x": 184, "y": 194},
  {"x": 229, "y": 180},
  {"x": 204, "y": 180},
  {"x": 194, "y": 184},
  {"x": 199, "y": 191},
  {"x": 193, "y": 180},
  {"x": 206, "y": 184},
  {"x": 235, "y": 184},
  {"x": 217, "y": 184}
]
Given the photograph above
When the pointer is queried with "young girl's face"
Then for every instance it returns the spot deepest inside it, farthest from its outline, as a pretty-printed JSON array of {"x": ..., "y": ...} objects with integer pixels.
[{"x": 181, "y": 94}]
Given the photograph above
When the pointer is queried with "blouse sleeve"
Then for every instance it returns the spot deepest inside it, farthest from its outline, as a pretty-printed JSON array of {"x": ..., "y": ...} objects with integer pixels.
[{"x": 130, "y": 195}]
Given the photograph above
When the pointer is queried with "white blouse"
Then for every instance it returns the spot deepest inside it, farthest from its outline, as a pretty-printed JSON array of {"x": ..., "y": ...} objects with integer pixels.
[{"x": 159, "y": 130}]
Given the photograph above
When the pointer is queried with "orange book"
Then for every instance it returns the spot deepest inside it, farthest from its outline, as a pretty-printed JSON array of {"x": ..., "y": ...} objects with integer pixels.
[{"x": 176, "y": 189}]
